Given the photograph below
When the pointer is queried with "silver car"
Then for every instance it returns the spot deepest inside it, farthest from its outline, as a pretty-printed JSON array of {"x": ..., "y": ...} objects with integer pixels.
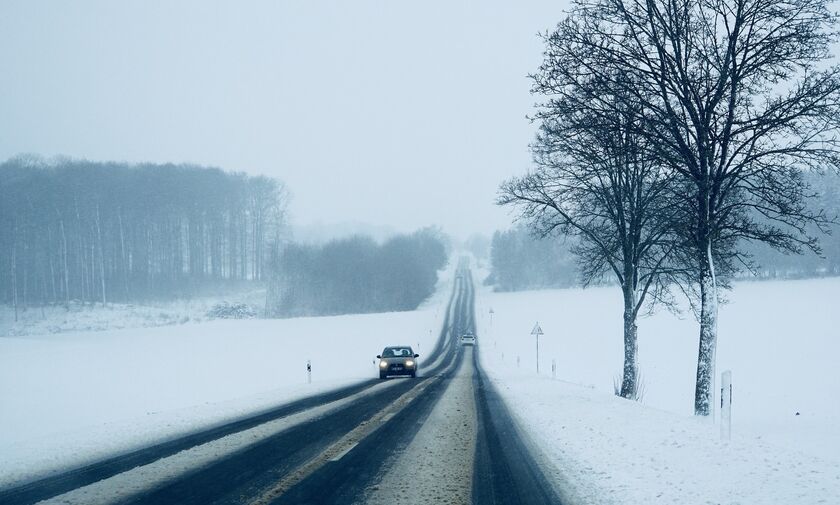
[{"x": 397, "y": 360}]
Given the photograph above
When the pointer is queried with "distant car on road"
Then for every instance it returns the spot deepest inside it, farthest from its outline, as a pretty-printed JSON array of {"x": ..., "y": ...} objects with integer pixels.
[
  {"x": 468, "y": 339},
  {"x": 397, "y": 360}
]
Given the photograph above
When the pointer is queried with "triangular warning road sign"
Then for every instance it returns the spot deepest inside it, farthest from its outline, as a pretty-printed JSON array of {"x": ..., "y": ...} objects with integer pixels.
[{"x": 537, "y": 330}]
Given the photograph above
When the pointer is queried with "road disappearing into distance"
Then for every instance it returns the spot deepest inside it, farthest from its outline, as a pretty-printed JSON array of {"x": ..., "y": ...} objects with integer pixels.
[{"x": 444, "y": 437}]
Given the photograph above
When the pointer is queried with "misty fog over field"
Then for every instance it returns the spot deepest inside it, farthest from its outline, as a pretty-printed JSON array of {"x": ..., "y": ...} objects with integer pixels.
[
  {"x": 580, "y": 252},
  {"x": 373, "y": 112}
]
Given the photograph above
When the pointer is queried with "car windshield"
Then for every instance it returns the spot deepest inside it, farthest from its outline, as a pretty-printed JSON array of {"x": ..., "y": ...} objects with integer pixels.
[{"x": 397, "y": 352}]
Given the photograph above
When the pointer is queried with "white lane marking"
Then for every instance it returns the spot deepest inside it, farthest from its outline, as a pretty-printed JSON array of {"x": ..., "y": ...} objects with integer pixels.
[{"x": 344, "y": 452}]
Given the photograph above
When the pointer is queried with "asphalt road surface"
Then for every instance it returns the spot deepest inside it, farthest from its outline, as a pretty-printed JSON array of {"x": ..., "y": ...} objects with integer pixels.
[{"x": 444, "y": 437}]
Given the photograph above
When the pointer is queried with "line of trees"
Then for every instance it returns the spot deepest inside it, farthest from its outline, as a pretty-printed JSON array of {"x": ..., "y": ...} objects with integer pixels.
[
  {"x": 107, "y": 232},
  {"x": 520, "y": 261},
  {"x": 766, "y": 262},
  {"x": 356, "y": 275},
  {"x": 674, "y": 132}
]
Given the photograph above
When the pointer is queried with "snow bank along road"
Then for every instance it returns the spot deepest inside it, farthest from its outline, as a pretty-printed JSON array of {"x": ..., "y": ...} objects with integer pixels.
[{"x": 444, "y": 437}]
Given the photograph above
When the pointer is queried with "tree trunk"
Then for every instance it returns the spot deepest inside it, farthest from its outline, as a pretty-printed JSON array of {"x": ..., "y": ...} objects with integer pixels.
[
  {"x": 14, "y": 273},
  {"x": 25, "y": 272},
  {"x": 704, "y": 390},
  {"x": 50, "y": 258},
  {"x": 629, "y": 385},
  {"x": 123, "y": 257},
  {"x": 64, "y": 265},
  {"x": 101, "y": 255}
]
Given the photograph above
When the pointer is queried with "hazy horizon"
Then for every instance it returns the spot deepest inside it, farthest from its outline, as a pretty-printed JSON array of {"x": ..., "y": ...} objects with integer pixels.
[{"x": 398, "y": 116}]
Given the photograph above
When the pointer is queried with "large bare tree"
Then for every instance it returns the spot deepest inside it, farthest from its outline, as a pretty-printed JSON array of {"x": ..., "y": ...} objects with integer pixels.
[
  {"x": 740, "y": 103},
  {"x": 596, "y": 180}
]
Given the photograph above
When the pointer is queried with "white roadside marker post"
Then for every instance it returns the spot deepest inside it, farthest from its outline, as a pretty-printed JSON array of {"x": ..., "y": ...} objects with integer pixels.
[
  {"x": 537, "y": 331},
  {"x": 308, "y": 372},
  {"x": 491, "y": 332},
  {"x": 517, "y": 362},
  {"x": 554, "y": 369},
  {"x": 726, "y": 405}
]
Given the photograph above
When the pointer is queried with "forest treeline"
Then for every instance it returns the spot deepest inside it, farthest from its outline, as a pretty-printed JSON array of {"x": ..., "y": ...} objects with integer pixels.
[
  {"x": 356, "y": 275},
  {"x": 107, "y": 231},
  {"x": 768, "y": 263},
  {"x": 521, "y": 261}
]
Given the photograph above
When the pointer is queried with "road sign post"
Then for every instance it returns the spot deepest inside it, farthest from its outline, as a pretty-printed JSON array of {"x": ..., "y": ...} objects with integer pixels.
[{"x": 537, "y": 331}]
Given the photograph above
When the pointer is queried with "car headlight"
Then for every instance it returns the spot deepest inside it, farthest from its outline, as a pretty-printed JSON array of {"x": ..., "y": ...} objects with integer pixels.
[
  {"x": 409, "y": 363},
  {"x": 383, "y": 364}
]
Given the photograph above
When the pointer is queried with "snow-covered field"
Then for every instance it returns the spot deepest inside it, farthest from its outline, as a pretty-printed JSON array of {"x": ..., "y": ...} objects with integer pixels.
[
  {"x": 781, "y": 341},
  {"x": 78, "y": 317},
  {"x": 69, "y": 398}
]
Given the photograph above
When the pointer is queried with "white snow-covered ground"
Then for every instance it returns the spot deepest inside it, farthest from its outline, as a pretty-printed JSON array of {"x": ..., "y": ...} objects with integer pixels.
[
  {"x": 781, "y": 341},
  {"x": 70, "y": 398},
  {"x": 79, "y": 317}
]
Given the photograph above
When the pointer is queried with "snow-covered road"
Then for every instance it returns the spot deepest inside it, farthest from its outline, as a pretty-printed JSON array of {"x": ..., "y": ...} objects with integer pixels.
[{"x": 440, "y": 458}]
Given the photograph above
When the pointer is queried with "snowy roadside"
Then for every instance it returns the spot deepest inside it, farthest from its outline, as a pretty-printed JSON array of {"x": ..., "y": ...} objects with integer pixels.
[
  {"x": 602, "y": 449},
  {"x": 72, "y": 398}
]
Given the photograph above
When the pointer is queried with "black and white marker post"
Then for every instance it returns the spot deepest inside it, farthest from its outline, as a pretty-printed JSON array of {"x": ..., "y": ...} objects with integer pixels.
[
  {"x": 308, "y": 372},
  {"x": 726, "y": 405}
]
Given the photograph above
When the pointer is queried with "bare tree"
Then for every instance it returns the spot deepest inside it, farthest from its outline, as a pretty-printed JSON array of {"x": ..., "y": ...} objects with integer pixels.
[
  {"x": 740, "y": 103},
  {"x": 595, "y": 180}
]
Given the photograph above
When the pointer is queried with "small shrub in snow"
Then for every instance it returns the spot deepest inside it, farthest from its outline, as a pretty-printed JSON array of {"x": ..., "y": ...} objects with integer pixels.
[{"x": 225, "y": 310}]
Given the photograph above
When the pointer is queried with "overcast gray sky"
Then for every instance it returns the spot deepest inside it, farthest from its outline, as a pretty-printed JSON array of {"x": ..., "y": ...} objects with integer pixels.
[{"x": 398, "y": 114}]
